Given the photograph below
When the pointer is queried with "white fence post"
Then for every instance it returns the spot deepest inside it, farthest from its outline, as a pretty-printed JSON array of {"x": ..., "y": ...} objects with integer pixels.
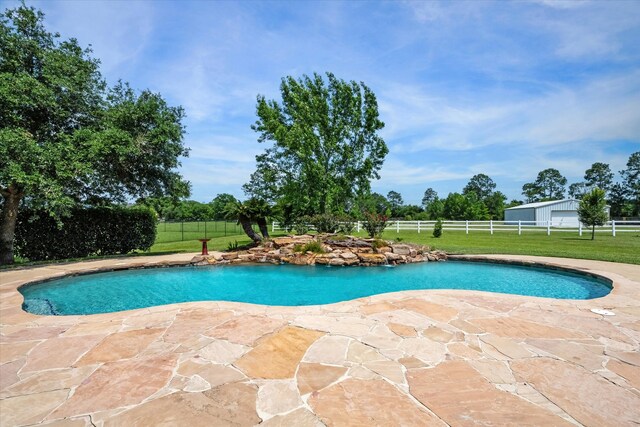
[
  {"x": 418, "y": 227},
  {"x": 580, "y": 229},
  {"x": 491, "y": 225},
  {"x": 358, "y": 226},
  {"x": 397, "y": 226},
  {"x": 519, "y": 227},
  {"x": 613, "y": 228},
  {"x": 273, "y": 226},
  {"x": 466, "y": 226},
  {"x": 549, "y": 228}
]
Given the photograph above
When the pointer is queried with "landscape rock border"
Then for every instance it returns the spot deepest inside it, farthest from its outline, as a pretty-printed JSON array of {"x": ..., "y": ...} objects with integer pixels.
[{"x": 336, "y": 250}]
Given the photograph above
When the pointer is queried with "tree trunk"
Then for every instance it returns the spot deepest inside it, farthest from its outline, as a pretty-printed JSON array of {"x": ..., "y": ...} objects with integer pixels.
[
  {"x": 12, "y": 197},
  {"x": 246, "y": 226},
  {"x": 593, "y": 232},
  {"x": 264, "y": 228}
]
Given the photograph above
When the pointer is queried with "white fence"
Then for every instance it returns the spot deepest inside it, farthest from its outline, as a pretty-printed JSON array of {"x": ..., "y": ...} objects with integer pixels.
[{"x": 611, "y": 227}]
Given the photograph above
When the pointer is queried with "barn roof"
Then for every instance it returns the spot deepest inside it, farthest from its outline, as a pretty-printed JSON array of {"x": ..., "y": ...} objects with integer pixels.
[{"x": 541, "y": 204}]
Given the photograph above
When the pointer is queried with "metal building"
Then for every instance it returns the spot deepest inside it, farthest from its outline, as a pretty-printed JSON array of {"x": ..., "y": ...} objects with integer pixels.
[{"x": 561, "y": 213}]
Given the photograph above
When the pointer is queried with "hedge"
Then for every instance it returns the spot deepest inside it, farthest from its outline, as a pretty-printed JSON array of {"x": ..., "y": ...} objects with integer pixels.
[{"x": 85, "y": 232}]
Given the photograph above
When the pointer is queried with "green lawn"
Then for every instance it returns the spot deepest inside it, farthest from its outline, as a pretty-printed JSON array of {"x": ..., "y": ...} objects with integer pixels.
[{"x": 625, "y": 247}]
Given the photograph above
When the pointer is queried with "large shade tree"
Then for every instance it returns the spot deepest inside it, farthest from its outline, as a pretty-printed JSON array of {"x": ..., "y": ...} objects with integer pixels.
[
  {"x": 325, "y": 145},
  {"x": 68, "y": 139},
  {"x": 549, "y": 185},
  {"x": 599, "y": 175},
  {"x": 631, "y": 177}
]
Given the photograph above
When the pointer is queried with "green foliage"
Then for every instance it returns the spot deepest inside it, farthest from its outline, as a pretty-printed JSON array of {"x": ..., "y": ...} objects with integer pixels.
[
  {"x": 374, "y": 223},
  {"x": 437, "y": 229},
  {"x": 325, "y": 144},
  {"x": 618, "y": 201},
  {"x": 482, "y": 185},
  {"x": 430, "y": 196},
  {"x": 218, "y": 203},
  {"x": 577, "y": 190},
  {"x": 592, "y": 209},
  {"x": 395, "y": 202},
  {"x": 325, "y": 223},
  {"x": 301, "y": 225},
  {"x": 631, "y": 177},
  {"x": 549, "y": 185},
  {"x": 233, "y": 246},
  {"x": 68, "y": 139},
  {"x": 377, "y": 244},
  {"x": 347, "y": 225},
  {"x": 313, "y": 246},
  {"x": 599, "y": 175},
  {"x": 93, "y": 231}
]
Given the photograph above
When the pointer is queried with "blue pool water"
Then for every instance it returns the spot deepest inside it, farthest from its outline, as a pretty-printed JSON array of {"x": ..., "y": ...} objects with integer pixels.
[{"x": 294, "y": 285}]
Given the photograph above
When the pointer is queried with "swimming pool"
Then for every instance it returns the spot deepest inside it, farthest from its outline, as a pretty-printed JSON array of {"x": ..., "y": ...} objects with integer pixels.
[{"x": 294, "y": 285}]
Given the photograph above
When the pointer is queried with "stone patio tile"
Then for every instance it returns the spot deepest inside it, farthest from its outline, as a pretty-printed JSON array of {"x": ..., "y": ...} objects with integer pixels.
[
  {"x": 314, "y": 376},
  {"x": 334, "y": 325},
  {"x": 460, "y": 396},
  {"x": 121, "y": 345},
  {"x": 118, "y": 384},
  {"x": 328, "y": 349},
  {"x": 404, "y": 317},
  {"x": 424, "y": 349},
  {"x": 196, "y": 384},
  {"x": 629, "y": 372},
  {"x": 66, "y": 351},
  {"x": 402, "y": 330},
  {"x": 220, "y": 374},
  {"x": 34, "y": 334},
  {"x": 299, "y": 418},
  {"x": 518, "y": 328},
  {"x": 9, "y": 373},
  {"x": 412, "y": 362},
  {"x": 222, "y": 352},
  {"x": 590, "y": 399},
  {"x": 151, "y": 319},
  {"x": 437, "y": 334},
  {"x": 464, "y": 351},
  {"x": 30, "y": 408},
  {"x": 76, "y": 422},
  {"x": 429, "y": 309},
  {"x": 495, "y": 371},
  {"x": 587, "y": 356},
  {"x": 245, "y": 329},
  {"x": 231, "y": 404},
  {"x": 278, "y": 397},
  {"x": 367, "y": 403},
  {"x": 494, "y": 303},
  {"x": 360, "y": 353},
  {"x": 465, "y": 326},
  {"x": 377, "y": 307},
  {"x": 190, "y": 323},
  {"x": 382, "y": 338},
  {"x": 51, "y": 380},
  {"x": 506, "y": 346},
  {"x": 631, "y": 357},
  {"x": 15, "y": 350},
  {"x": 387, "y": 368},
  {"x": 277, "y": 356},
  {"x": 91, "y": 328}
]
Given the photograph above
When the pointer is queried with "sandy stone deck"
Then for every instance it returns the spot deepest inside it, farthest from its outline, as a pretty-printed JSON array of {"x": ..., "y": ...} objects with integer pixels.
[{"x": 408, "y": 358}]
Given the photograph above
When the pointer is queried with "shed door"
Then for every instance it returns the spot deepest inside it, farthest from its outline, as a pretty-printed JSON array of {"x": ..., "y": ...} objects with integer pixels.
[{"x": 564, "y": 218}]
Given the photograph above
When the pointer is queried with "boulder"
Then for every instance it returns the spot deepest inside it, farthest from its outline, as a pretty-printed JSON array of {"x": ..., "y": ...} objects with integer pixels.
[
  {"x": 373, "y": 258},
  {"x": 401, "y": 249},
  {"x": 335, "y": 261},
  {"x": 348, "y": 255}
]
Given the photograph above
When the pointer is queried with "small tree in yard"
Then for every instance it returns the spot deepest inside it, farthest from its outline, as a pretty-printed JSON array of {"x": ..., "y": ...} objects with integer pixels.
[
  {"x": 374, "y": 224},
  {"x": 592, "y": 210},
  {"x": 437, "y": 228}
]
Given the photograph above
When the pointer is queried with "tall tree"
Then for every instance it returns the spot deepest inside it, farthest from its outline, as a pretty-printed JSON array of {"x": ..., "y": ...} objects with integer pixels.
[
  {"x": 430, "y": 195},
  {"x": 395, "y": 201},
  {"x": 480, "y": 184},
  {"x": 599, "y": 175},
  {"x": 577, "y": 190},
  {"x": 495, "y": 204},
  {"x": 549, "y": 185},
  {"x": 618, "y": 200},
  {"x": 592, "y": 210},
  {"x": 65, "y": 138},
  {"x": 219, "y": 202},
  {"x": 326, "y": 148},
  {"x": 631, "y": 176}
]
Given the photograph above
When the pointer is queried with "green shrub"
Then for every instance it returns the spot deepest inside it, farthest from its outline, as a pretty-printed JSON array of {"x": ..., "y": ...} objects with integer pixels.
[
  {"x": 301, "y": 225},
  {"x": 85, "y": 232},
  {"x": 377, "y": 244},
  {"x": 231, "y": 247},
  {"x": 347, "y": 225},
  {"x": 437, "y": 228},
  {"x": 314, "y": 246},
  {"x": 325, "y": 223},
  {"x": 374, "y": 223}
]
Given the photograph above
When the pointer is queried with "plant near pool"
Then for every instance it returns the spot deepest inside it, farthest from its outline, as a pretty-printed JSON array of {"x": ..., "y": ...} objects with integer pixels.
[
  {"x": 374, "y": 223},
  {"x": 325, "y": 223},
  {"x": 437, "y": 228},
  {"x": 314, "y": 246},
  {"x": 301, "y": 225},
  {"x": 377, "y": 244}
]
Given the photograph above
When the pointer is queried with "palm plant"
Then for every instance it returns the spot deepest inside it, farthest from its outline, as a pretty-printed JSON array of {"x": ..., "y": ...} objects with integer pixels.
[
  {"x": 260, "y": 210},
  {"x": 244, "y": 214}
]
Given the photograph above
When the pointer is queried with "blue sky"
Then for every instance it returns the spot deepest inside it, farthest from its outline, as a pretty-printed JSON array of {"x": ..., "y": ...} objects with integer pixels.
[{"x": 502, "y": 88}]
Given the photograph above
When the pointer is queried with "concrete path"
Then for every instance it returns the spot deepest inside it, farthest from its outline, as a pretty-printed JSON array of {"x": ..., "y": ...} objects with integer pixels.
[{"x": 409, "y": 358}]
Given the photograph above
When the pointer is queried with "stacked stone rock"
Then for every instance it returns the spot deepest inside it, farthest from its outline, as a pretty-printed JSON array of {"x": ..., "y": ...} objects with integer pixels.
[{"x": 346, "y": 251}]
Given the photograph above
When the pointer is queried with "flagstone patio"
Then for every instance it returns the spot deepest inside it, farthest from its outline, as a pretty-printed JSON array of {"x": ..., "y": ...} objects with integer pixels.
[{"x": 408, "y": 358}]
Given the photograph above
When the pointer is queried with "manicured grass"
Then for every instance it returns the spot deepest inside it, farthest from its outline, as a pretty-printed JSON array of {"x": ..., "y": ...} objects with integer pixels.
[
  {"x": 194, "y": 230},
  {"x": 625, "y": 247}
]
